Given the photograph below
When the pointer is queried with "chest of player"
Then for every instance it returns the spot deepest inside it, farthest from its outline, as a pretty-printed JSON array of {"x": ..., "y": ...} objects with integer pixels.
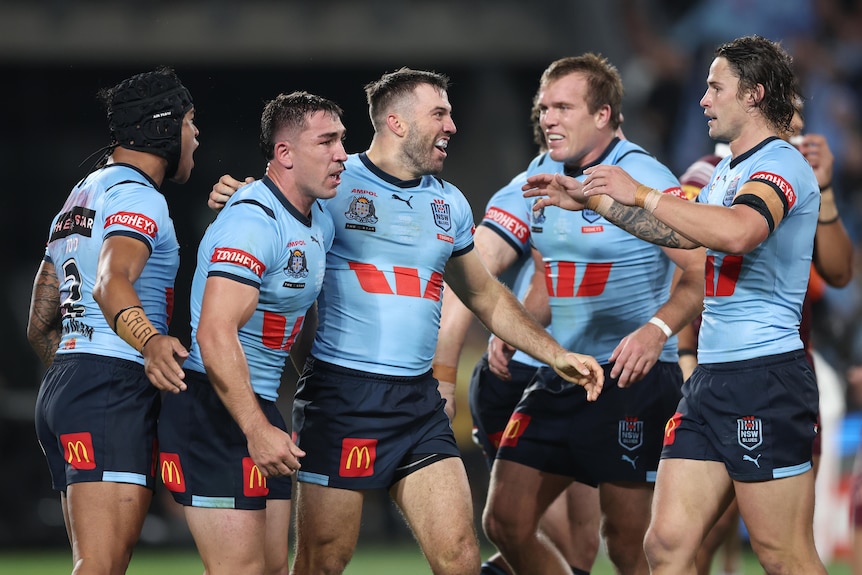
[{"x": 380, "y": 222}]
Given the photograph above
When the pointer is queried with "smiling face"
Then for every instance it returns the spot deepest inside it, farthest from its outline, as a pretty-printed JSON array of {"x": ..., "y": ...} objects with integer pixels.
[
  {"x": 428, "y": 117},
  {"x": 573, "y": 134},
  {"x": 722, "y": 103}
]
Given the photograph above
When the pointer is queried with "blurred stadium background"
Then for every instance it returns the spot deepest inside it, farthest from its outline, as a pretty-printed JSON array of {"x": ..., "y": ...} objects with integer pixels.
[{"x": 55, "y": 55}]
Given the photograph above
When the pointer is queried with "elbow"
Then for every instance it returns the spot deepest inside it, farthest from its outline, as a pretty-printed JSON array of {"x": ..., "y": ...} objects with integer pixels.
[{"x": 839, "y": 279}]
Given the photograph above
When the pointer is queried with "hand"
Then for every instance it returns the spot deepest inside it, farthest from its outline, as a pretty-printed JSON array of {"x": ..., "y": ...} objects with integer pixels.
[
  {"x": 499, "y": 355},
  {"x": 224, "y": 189},
  {"x": 610, "y": 180},
  {"x": 557, "y": 189},
  {"x": 816, "y": 150},
  {"x": 273, "y": 451},
  {"x": 636, "y": 354},
  {"x": 163, "y": 359},
  {"x": 447, "y": 392},
  {"x": 582, "y": 370}
]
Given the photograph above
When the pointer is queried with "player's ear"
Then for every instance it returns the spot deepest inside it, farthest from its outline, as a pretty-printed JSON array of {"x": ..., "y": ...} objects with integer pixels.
[{"x": 282, "y": 154}]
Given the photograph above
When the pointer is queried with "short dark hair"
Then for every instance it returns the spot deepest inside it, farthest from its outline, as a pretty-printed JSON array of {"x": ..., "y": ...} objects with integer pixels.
[
  {"x": 393, "y": 86},
  {"x": 290, "y": 111},
  {"x": 603, "y": 79},
  {"x": 756, "y": 60}
]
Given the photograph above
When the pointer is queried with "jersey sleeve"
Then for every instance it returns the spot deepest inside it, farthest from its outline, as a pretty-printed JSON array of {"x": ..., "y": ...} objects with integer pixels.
[
  {"x": 242, "y": 243},
  {"x": 137, "y": 211}
]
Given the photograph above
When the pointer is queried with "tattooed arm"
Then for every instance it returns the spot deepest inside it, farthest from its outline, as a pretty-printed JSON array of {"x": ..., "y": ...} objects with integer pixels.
[
  {"x": 44, "y": 323},
  {"x": 568, "y": 193},
  {"x": 640, "y": 223}
]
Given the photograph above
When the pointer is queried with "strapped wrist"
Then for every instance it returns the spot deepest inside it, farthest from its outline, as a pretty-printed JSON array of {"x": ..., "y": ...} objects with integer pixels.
[
  {"x": 133, "y": 327},
  {"x": 659, "y": 323}
]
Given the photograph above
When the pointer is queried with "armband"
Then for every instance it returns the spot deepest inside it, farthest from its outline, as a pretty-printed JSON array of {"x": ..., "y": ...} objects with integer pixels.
[
  {"x": 444, "y": 372},
  {"x": 685, "y": 351},
  {"x": 829, "y": 221},
  {"x": 133, "y": 327},
  {"x": 757, "y": 203},
  {"x": 659, "y": 323}
]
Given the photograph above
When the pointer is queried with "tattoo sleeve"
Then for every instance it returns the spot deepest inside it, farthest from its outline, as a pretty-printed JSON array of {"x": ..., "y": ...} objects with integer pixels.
[
  {"x": 644, "y": 225},
  {"x": 45, "y": 322}
]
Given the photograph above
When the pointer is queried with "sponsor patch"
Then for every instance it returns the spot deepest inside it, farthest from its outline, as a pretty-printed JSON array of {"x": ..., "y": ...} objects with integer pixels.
[
  {"x": 238, "y": 257},
  {"x": 78, "y": 450},
  {"x": 78, "y": 220},
  {"x": 172, "y": 472},
  {"x": 516, "y": 427},
  {"x": 137, "y": 222},
  {"x": 670, "y": 428},
  {"x": 508, "y": 222},
  {"x": 357, "y": 457},
  {"x": 780, "y": 183},
  {"x": 253, "y": 481}
]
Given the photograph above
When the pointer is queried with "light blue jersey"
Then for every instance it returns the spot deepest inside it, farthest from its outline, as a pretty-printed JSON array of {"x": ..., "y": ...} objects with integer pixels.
[
  {"x": 380, "y": 305},
  {"x": 261, "y": 240},
  {"x": 753, "y": 302},
  {"x": 509, "y": 216},
  {"x": 603, "y": 282},
  {"x": 118, "y": 199}
]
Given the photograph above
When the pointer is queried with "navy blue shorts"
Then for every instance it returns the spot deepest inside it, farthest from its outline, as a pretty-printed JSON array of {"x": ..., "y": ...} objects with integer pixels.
[
  {"x": 367, "y": 431},
  {"x": 616, "y": 438},
  {"x": 96, "y": 421},
  {"x": 492, "y": 401},
  {"x": 204, "y": 459},
  {"x": 758, "y": 416}
]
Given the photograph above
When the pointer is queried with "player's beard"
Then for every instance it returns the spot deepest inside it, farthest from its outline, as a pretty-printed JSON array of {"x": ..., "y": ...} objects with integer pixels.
[{"x": 420, "y": 155}]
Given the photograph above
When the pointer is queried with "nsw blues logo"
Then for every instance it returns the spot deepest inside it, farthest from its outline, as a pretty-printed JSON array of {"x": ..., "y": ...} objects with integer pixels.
[
  {"x": 442, "y": 216},
  {"x": 631, "y": 433},
  {"x": 730, "y": 192},
  {"x": 297, "y": 265},
  {"x": 590, "y": 215},
  {"x": 749, "y": 432},
  {"x": 361, "y": 210}
]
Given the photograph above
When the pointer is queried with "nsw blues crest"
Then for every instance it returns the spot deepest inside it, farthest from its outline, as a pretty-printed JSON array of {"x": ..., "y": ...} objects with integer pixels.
[
  {"x": 749, "y": 432},
  {"x": 442, "y": 214}
]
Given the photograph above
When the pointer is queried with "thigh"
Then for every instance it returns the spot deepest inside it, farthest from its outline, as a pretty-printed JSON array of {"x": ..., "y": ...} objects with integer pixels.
[
  {"x": 519, "y": 494},
  {"x": 229, "y": 540},
  {"x": 438, "y": 506},
  {"x": 778, "y": 514},
  {"x": 277, "y": 535},
  {"x": 689, "y": 497},
  {"x": 105, "y": 518},
  {"x": 327, "y": 521}
]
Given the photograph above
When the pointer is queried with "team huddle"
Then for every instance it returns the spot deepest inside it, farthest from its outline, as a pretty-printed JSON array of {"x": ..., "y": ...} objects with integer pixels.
[{"x": 365, "y": 271}]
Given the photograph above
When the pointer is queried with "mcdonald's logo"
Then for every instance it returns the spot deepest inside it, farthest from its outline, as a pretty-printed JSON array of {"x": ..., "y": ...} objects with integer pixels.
[
  {"x": 172, "y": 472},
  {"x": 357, "y": 457},
  {"x": 670, "y": 428},
  {"x": 78, "y": 450},
  {"x": 253, "y": 481},
  {"x": 496, "y": 439},
  {"x": 516, "y": 427}
]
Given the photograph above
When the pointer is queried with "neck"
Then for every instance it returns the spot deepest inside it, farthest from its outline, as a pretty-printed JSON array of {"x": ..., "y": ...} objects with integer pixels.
[
  {"x": 386, "y": 156},
  {"x": 750, "y": 136},
  {"x": 152, "y": 165},
  {"x": 290, "y": 191}
]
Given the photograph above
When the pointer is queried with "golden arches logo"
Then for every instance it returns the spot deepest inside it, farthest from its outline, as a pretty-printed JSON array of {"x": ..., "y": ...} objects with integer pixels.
[
  {"x": 255, "y": 473},
  {"x": 513, "y": 429},
  {"x": 360, "y": 453},
  {"x": 171, "y": 473},
  {"x": 78, "y": 451}
]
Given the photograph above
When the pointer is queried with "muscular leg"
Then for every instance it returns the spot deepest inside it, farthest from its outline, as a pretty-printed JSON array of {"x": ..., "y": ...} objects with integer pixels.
[
  {"x": 437, "y": 504},
  {"x": 689, "y": 496},
  {"x": 721, "y": 534},
  {"x": 276, "y": 537},
  {"x": 572, "y": 524},
  {"x": 625, "y": 518},
  {"x": 327, "y": 528},
  {"x": 229, "y": 540},
  {"x": 104, "y": 523},
  {"x": 779, "y": 515},
  {"x": 518, "y": 496}
]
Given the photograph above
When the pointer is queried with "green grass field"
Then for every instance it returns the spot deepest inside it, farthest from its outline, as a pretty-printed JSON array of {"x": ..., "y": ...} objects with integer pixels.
[{"x": 397, "y": 560}]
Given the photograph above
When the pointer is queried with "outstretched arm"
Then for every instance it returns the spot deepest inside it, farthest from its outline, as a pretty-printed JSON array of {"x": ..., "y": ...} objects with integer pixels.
[
  {"x": 503, "y": 315},
  {"x": 568, "y": 193}
]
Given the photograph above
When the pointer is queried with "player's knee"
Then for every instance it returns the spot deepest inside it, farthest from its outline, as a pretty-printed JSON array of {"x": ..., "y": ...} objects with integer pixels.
[
  {"x": 662, "y": 545},
  {"x": 463, "y": 557},
  {"x": 503, "y": 531},
  {"x": 325, "y": 563}
]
